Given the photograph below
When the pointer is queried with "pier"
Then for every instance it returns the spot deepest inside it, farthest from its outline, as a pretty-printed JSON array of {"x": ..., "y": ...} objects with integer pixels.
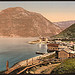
[
  {"x": 27, "y": 63},
  {"x": 29, "y": 67}
]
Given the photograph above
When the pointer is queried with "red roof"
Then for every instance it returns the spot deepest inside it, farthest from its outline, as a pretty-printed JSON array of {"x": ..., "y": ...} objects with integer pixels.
[{"x": 54, "y": 45}]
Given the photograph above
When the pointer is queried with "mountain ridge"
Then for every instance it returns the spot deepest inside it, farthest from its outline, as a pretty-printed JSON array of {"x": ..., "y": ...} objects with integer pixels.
[
  {"x": 17, "y": 21},
  {"x": 67, "y": 33},
  {"x": 64, "y": 24}
]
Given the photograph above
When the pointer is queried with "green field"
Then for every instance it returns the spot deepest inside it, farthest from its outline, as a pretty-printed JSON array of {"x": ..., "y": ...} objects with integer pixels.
[{"x": 67, "y": 66}]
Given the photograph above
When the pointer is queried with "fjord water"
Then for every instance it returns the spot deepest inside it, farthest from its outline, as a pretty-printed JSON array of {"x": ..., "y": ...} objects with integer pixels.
[{"x": 17, "y": 49}]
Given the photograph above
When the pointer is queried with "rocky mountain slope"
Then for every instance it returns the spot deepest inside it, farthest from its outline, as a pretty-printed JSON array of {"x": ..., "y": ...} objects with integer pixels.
[
  {"x": 67, "y": 33},
  {"x": 18, "y": 22},
  {"x": 64, "y": 24}
]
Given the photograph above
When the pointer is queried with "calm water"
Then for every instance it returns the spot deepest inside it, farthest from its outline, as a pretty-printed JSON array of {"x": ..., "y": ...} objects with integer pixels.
[{"x": 17, "y": 49}]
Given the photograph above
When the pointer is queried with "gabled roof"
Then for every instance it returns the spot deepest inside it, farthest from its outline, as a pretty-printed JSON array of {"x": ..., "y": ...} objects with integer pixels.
[
  {"x": 67, "y": 50},
  {"x": 53, "y": 45}
]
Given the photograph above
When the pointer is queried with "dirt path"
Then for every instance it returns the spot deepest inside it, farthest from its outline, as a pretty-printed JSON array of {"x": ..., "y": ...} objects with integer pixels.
[
  {"x": 51, "y": 68},
  {"x": 46, "y": 69},
  {"x": 38, "y": 71},
  {"x": 28, "y": 67}
]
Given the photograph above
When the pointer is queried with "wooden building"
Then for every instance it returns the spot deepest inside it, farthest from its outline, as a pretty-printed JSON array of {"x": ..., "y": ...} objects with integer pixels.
[
  {"x": 52, "y": 47},
  {"x": 65, "y": 53},
  {"x": 72, "y": 54}
]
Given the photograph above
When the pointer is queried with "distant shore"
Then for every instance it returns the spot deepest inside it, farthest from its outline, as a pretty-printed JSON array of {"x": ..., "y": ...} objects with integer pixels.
[{"x": 16, "y": 37}]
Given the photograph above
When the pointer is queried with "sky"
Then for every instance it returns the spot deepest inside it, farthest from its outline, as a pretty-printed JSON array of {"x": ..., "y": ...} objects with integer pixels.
[{"x": 53, "y": 10}]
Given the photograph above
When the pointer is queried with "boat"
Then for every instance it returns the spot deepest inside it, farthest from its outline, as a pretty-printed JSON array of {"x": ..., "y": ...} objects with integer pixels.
[{"x": 37, "y": 52}]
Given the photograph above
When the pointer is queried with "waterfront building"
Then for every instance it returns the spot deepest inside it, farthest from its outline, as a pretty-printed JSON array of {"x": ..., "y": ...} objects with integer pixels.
[
  {"x": 43, "y": 39},
  {"x": 52, "y": 47},
  {"x": 55, "y": 47}
]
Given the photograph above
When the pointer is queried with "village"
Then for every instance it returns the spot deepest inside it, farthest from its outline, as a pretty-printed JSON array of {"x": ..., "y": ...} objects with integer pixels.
[
  {"x": 58, "y": 51},
  {"x": 63, "y": 49}
]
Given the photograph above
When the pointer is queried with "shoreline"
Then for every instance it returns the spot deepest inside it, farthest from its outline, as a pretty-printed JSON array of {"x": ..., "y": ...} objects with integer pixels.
[
  {"x": 13, "y": 43},
  {"x": 24, "y": 63},
  {"x": 17, "y": 37}
]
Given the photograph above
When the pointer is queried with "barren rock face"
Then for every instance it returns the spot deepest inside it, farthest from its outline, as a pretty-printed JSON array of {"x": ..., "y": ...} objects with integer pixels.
[{"x": 17, "y": 21}]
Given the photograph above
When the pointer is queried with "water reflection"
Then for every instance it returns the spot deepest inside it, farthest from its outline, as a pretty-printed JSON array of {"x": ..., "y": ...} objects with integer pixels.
[{"x": 17, "y": 49}]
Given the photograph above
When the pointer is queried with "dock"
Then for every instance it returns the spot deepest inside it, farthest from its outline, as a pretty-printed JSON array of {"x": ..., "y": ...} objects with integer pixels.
[{"x": 27, "y": 63}]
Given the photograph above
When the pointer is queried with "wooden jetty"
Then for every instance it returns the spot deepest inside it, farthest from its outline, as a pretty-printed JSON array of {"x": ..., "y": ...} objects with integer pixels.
[
  {"x": 27, "y": 63},
  {"x": 32, "y": 63},
  {"x": 29, "y": 67}
]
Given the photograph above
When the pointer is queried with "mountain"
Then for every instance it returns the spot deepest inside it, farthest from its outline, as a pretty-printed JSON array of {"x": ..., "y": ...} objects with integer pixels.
[
  {"x": 67, "y": 33},
  {"x": 18, "y": 22},
  {"x": 64, "y": 24}
]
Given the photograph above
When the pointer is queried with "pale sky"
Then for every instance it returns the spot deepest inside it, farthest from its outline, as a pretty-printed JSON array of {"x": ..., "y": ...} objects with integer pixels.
[{"x": 52, "y": 10}]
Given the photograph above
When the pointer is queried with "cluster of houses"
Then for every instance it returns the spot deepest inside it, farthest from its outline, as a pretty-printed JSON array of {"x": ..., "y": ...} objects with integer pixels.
[
  {"x": 43, "y": 39},
  {"x": 63, "y": 50}
]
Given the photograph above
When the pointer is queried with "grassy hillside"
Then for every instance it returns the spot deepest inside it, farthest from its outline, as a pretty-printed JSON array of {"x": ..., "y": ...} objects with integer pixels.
[
  {"x": 67, "y": 66},
  {"x": 67, "y": 33}
]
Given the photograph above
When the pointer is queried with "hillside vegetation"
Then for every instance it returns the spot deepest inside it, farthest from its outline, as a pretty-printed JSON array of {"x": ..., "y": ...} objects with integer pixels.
[
  {"x": 67, "y": 33},
  {"x": 67, "y": 66}
]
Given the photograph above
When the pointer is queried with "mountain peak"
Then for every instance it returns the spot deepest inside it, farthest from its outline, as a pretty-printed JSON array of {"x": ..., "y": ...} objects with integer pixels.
[
  {"x": 20, "y": 22},
  {"x": 13, "y": 9}
]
